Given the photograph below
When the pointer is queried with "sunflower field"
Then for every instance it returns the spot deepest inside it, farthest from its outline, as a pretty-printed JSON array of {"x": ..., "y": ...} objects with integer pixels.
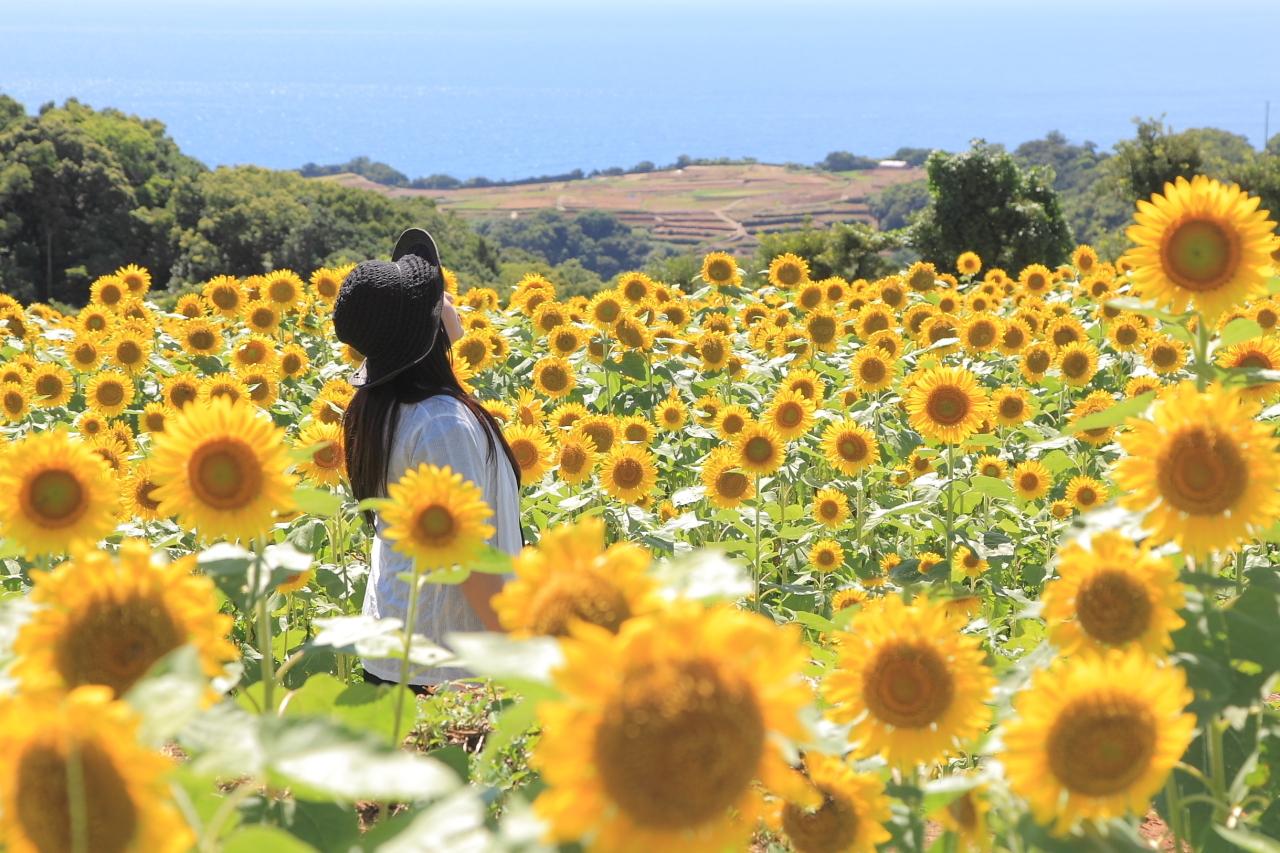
[{"x": 971, "y": 561}]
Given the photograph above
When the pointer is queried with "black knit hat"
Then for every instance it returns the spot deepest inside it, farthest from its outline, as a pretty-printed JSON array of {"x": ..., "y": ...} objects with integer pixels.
[{"x": 390, "y": 312}]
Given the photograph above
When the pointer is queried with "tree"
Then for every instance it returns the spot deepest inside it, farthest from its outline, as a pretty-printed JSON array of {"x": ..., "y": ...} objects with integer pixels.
[
  {"x": 65, "y": 202},
  {"x": 849, "y": 249},
  {"x": 982, "y": 201},
  {"x": 1261, "y": 177},
  {"x": 843, "y": 161},
  {"x": 11, "y": 112},
  {"x": 1154, "y": 157},
  {"x": 894, "y": 206},
  {"x": 602, "y": 243},
  {"x": 912, "y": 156}
]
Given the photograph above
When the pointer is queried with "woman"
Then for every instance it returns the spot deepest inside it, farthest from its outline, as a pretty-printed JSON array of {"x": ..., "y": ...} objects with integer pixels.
[{"x": 409, "y": 409}]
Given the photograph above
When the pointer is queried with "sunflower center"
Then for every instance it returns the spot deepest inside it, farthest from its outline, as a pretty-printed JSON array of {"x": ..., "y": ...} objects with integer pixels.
[
  {"x": 758, "y": 450},
  {"x": 876, "y": 322},
  {"x": 116, "y": 642},
  {"x": 1075, "y": 364},
  {"x": 14, "y": 402},
  {"x": 831, "y": 827},
  {"x": 110, "y": 393},
  {"x": 1113, "y": 607},
  {"x": 628, "y": 473},
  {"x": 1202, "y": 473},
  {"x": 327, "y": 456},
  {"x": 291, "y": 364},
  {"x": 1254, "y": 359},
  {"x": 991, "y": 470},
  {"x": 1266, "y": 318},
  {"x": 1086, "y": 496},
  {"x": 679, "y": 743},
  {"x": 1029, "y": 481},
  {"x": 144, "y": 495},
  {"x": 49, "y": 385},
  {"x": 584, "y": 596},
  {"x": 281, "y": 291},
  {"x": 1065, "y": 335},
  {"x": 871, "y": 370},
  {"x": 852, "y": 448},
  {"x": 1200, "y": 255},
  {"x": 225, "y": 298},
  {"x": 1038, "y": 361},
  {"x": 720, "y": 270},
  {"x": 963, "y": 811},
  {"x": 713, "y": 352},
  {"x": 225, "y": 474},
  {"x": 1126, "y": 335},
  {"x": 908, "y": 685},
  {"x": 1101, "y": 745},
  {"x": 1036, "y": 281},
  {"x": 790, "y": 414},
  {"x": 822, "y": 329},
  {"x": 732, "y": 484},
  {"x": 733, "y": 423},
  {"x": 572, "y": 458},
  {"x": 555, "y": 379},
  {"x": 56, "y": 498},
  {"x": 201, "y": 339},
  {"x": 1164, "y": 356},
  {"x": 829, "y": 510},
  {"x": 525, "y": 453},
  {"x": 602, "y": 435},
  {"x": 85, "y": 354},
  {"x": 1011, "y": 407},
  {"x": 129, "y": 352},
  {"x": 947, "y": 405},
  {"x": 636, "y": 289},
  {"x": 790, "y": 274},
  {"x": 180, "y": 395},
  {"x": 982, "y": 334},
  {"x": 43, "y": 800}
]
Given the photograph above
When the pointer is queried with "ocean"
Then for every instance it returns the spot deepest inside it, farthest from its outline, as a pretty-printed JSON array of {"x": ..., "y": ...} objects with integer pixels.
[{"x": 513, "y": 89}]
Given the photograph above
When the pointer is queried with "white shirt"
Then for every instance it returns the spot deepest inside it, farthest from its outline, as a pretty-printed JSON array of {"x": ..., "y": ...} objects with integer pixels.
[{"x": 439, "y": 431}]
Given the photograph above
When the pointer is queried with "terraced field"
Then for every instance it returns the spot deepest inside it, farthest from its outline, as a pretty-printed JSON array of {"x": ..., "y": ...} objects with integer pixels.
[{"x": 696, "y": 207}]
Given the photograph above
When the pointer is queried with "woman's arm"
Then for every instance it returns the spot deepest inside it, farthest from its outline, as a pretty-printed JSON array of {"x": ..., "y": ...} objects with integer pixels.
[{"x": 479, "y": 590}]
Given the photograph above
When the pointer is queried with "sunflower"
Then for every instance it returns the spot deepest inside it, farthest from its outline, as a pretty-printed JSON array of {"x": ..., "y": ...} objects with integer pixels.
[
  {"x": 49, "y": 386},
  {"x": 1078, "y": 362},
  {"x": 108, "y": 291},
  {"x": 531, "y": 449},
  {"x": 1015, "y": 334},
  {"x": 1036, "y": 360},
  {"x": 1201, "y": 244},
  {"x": 436, "y": 517},
  {"x": 564, "y": 341},
  {"x": 850, "y": 817},
  {"x": 823, "y": 329},
  {"x": 914, "y": 687},
  {"x": 966, "y": 816},
  {"x": 919, "y": 463},
  {"x": 14, "y": 402},
  {"x": 294, "y": 361},
  {"x": 759, "y": 447},
  {"x": 130, "y": 348},
  {"x": 1139, "y": 385},
  {"x": 262, "y": 317},
  {"x": 221, "y": 470},
  {"x": 1085, "y": 492},
  {"x": 807, "y": 383},
  {"x": 731, "y": 419},
  {"x": 138, "y": 494},
  {"x": 637, "y": 288},
  {"x": 872, "y": 369},
  {"x": 200, "y": 337},
  {"x": 605, "y": 309},
  {"x": 990, "y": 466},
  {"x": 109, "y": 393},
  {"x": 224, "y": 386},
  {"x": 179, "y": 390},
  {"x": 282, "y": 288},
  {"x": 969, "y": 561},
  {"x": 603, "y": 430},
  {"x": 725, "y": 484},
  {"x": 326, "y": 282},
  {"x": 126, "y": 803},
  {"x": 946, "y": 404},
  {"x": 846, "y": 598},
  {"x": 1255, "y": 354},
  {"x": 790, "y": 414},
  {"x": 628, "y": 473},
  {"x": 566, "y": 415},
  {"x": 224, "y": 295},
  {"x": 136, "y": 279},
  {"x": 1126, "y": 332},
  {"x": 571, "y": 577},
  {"x": 980, "y": 332},
  {"x": 1095, "y": 736},
  {"x": 1112, "y": 594},
  {"x": 1011, "y": 405},
  {"x": 713, "y": 348},
  {"x": 59, "y": 494},
  {"x": 921, "y": 276},
  {"x": 664, "y": 728},
  {"x": 325, "y": 458},
  {"x": 720, "y": 269},
  {"x": 575, "y": 458},
  {"x": 84, "y": 353},
  {"x": 1031, "y": 480},
  {"x": 671, "y": 414},
  {"x": 1164, "y": 354},
  {"x": 788, "y": 270},
  {"x": 1095, "y": 402},
  {"x": 632, "y": 333},
  {"x": 1203, "y": 470},
  {"x": 830, "y": 507},
  {"x": 330, "y": 405},
  {"x": 1035, "y": 279},
  {"x": 1061, "y": 509},
  {"x": 106, "y": 620},
  {"x": 968, "y": 263},
  {"x": 636, "y": 429},
  {"x": 553, "y": 377},
  {"x": 826, "y": 555}
]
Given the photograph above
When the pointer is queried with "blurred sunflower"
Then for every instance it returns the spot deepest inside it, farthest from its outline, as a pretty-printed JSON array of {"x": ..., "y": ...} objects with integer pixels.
[
  {"x": 1094, "y": 737},
  {"x": 665, "y": 727},
  {"x": 572, "y": 577},
  {"x": 850, "y": 817},
  {"x": 14, "y": 402},
  {"x": 125, "y": 795},
  {"x": 436, "y": 517},
  {"x": 720, "y": 269},
  {"x": 1254, "y": 354},
  {"x": 575, "y": 458},
  {"x": 788, "y": 271},
  {"x": 914, "y": 687},
  {"x": 1085, "y": 492},
  {"x": 554, "y": 377},
  {"x": 532, "y": 450},
  {"x": 1112, "y": 594},
  {"x": 1202, "y": 468}
]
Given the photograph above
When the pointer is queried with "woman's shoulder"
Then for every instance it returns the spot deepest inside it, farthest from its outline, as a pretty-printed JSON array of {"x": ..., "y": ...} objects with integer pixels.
[{"x": 442, "y": 413}]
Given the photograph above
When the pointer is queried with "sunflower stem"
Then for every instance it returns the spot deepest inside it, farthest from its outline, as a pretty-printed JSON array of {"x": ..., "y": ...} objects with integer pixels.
[
  {"x": 76, "y": 801},
  {"x": 1217, "y": 766},
  {"x": 1202, "y": 353},
  {"x": 951, "y": 513},
  {"x": 755, "y": 554},
  {"x": 409, "y": 620},
  {"x": 268, "y": 656},
  {"x": 1174, "y": 804}
]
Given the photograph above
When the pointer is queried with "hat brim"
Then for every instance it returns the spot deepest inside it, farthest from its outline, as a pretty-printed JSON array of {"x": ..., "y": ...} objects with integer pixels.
[{"x": 416, "y": 241}]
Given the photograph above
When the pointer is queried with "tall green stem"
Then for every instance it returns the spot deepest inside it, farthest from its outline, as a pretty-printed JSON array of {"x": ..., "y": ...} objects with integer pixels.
[
  {"x": 756, "y": 553},
  {"x": 409, "y": 621},
  {"x": 268, "y": 656},
  {"x": 951, "y": 513}
]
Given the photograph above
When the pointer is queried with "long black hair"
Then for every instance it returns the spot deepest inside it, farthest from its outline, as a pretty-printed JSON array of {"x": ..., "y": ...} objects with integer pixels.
[{"x": 369, "y": 426}]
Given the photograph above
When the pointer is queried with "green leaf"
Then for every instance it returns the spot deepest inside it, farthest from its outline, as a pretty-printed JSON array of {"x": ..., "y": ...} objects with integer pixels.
[
  {"x": 813, "y": 620},
  {"x": 360, "y": 707},
  {"x": 376, "y": 638},
  {"x": 170, "y": 695},
  {"x": 1112, "y": 416},
  {"x": 703, "y": 575},
  {"x": 992, "y": 487},
  {"x": 1239, "y": 329},
  {"x": 1247, "y": 840},
  {"x": 525, "y": 665},
  {"x": 455, "y": 823},
  {"x": 316, "y": 501},
  {"x": 491, "y": 561},
  {"x": 264, "y": 839}
]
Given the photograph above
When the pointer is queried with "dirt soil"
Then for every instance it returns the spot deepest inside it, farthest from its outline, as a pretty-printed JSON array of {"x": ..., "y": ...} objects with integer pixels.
[{"x": 698, "y": 206}]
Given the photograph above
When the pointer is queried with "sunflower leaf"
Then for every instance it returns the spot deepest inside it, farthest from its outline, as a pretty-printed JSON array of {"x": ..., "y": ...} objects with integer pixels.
[{"x": 1112, "y": 416}]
